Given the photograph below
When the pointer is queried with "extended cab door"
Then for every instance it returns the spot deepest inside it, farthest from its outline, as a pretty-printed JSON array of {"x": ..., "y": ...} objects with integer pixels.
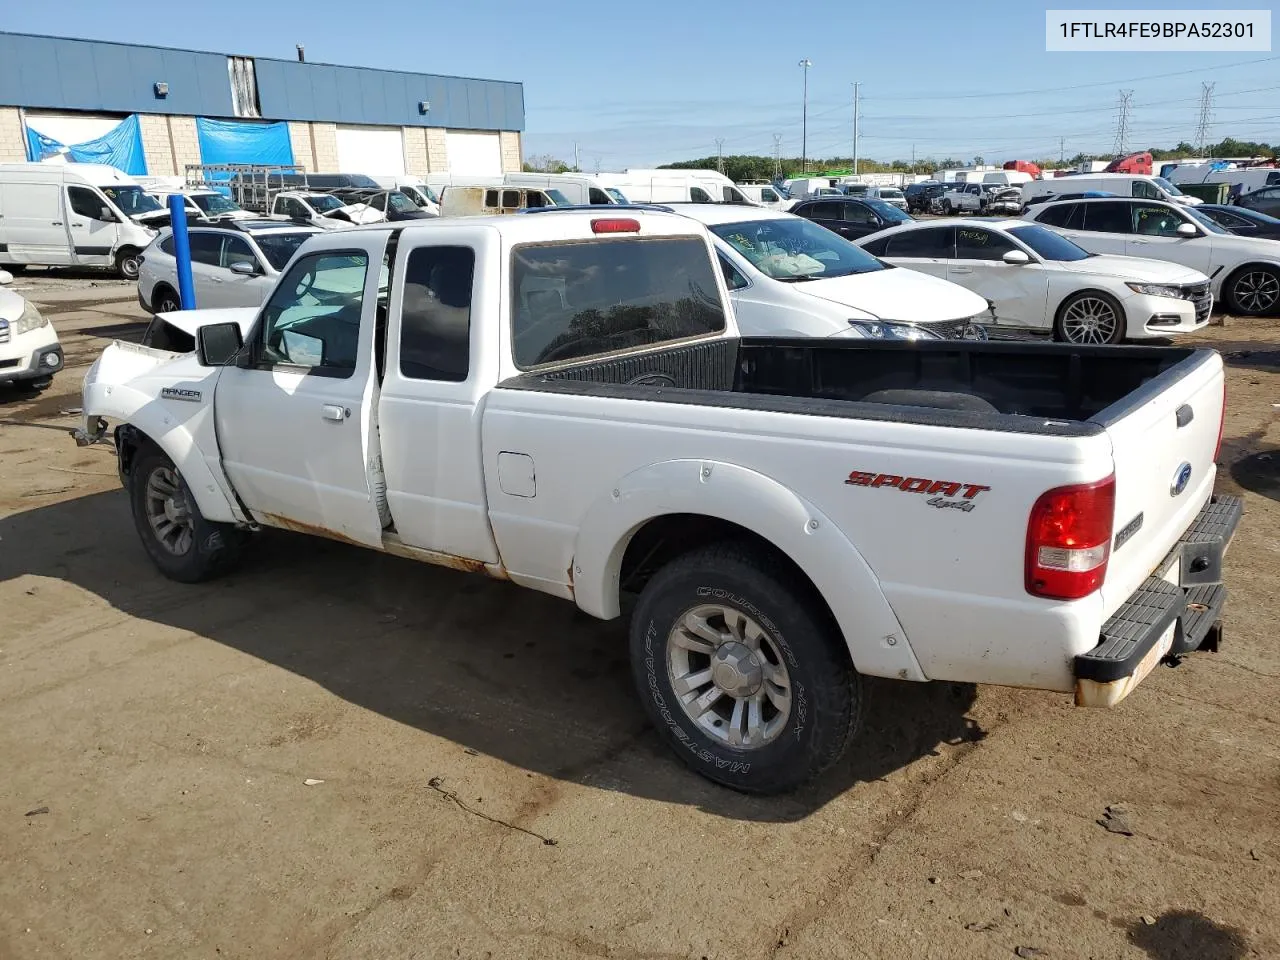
[
  {"x": 296, "y": 416},
  {"x": 442, "y": 357}
]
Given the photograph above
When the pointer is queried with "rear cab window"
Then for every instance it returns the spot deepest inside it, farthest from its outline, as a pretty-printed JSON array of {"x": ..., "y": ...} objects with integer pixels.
[{"x": 594, "y": 297}]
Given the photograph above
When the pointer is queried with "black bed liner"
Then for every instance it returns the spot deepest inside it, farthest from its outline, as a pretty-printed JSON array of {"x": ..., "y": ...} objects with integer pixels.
[{"x": 1024, "y": 387}]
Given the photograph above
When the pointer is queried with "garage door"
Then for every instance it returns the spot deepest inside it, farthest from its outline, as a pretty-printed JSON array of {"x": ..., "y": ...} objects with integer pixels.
[
  {"x": 474, "y": 154},
  {"x": 72, "y": 128},
  {"x": 373, "y": 151}
]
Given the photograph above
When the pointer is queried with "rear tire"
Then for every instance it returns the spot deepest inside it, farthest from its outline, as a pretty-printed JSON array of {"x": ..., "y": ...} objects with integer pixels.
[
  {"x": 180, "y": 541},
  {"x": 164, "y": 300},
  {"x": 1253, "y": 291},
  {"x": 741, "y": 671},
  {"x": 1090, "y": 318},
  {"x": 127, "y": 263}
]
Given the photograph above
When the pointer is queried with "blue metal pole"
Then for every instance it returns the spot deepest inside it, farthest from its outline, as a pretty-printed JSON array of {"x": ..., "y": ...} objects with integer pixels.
[{"x": 182, "y": 250}]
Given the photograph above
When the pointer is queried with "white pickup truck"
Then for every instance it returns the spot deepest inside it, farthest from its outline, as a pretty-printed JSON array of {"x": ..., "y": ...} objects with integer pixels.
[{"x": 561, "y": 401}]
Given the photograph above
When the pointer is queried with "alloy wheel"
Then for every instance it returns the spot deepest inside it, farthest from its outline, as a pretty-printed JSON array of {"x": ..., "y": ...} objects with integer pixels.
[{"x": 1090, "y": 320}]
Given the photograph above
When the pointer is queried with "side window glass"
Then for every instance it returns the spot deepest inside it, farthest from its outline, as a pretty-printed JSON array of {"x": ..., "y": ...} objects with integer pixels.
[
  {"x": 930, "y": 243},
  {"x": 973, "y": 243},
  {"x": 768, "y": 196},
  {"x": 206, "y": 248},
  {"x": 166, "y": 245},
  {"x": 85, "y": 203},
  {"x": 732, "y": 278},
  {"x": 858, "y": 213},
  {"x": 435, "y": 320},
  {"x": 596, "y": 195},
  {"x": 876, "y": 247},
  {"x": 237, "y": 249},
  {"x": 1144, "y": 190},
  {"x": 491, "y": 198},
  {"x": 1061, "y": 215},
  {"x": 313, "y": 317},
  {"x": 1151, "y": 221},
  {"x": 826, "y": 210},
  {"x": 1107, "y": 217},
  {"x": 698, "y": 195},
  {"x": 511, "y": 198}
]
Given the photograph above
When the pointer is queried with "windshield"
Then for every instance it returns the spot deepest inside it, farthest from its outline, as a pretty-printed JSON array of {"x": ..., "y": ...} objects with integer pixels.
[
  {"x": 132, "y": 201},
  {"x": 323, "y": 202},
  {"x": 399, "y": 203},
  {"x": 795, "y": 249},
  {"x": 214, "y": 203},
  {"x": 853, "y": 189},
  {"x": 1049, "y": 245},
  {"x": 617, "y": 195},
  {"x": 558, "y": 198},
  {"x": 1166, "y": 186},
  {"x": 1204, "y": 221},
  {"x": 890, "y": 193},
  {"x": 887, "y": 211},
  {"x": 278, "y": 248}
]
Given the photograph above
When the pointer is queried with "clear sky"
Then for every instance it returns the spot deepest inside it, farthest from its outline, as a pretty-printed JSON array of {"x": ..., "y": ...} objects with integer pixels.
[{"x": 643, "y": 83}]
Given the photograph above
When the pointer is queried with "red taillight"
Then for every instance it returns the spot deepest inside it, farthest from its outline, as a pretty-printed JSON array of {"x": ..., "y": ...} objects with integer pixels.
[
  {"x": 1069, "y": 540},
  {"x": 615, "y": 225},
  {"x": 1222, "y": 419}
]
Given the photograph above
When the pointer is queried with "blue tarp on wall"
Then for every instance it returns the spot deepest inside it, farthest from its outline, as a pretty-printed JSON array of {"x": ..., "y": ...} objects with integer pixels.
[
  {"x": 121, "y": 148},
  {"x": 240, "y": 141}
]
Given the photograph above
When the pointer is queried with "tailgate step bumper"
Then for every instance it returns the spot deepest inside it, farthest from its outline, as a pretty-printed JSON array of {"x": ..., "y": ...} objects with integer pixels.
[{"x": 1162, "y": 618}]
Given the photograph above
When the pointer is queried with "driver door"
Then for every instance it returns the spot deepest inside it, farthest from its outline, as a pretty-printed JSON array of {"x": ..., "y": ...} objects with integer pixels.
[
  {"x": 1017, "y": 290},
  {"x": 296, "y": 414},
  {"x": 1155, "y": 235}
]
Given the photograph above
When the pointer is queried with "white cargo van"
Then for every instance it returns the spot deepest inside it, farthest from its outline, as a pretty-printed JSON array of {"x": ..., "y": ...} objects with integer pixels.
[
  {"x": 578, "y": 188},
  {"x": 72, "y": 214},
  {"x": 473, "y": 201},
  {"x": 1247, "y": 179},
  {"x": 1120, "y": 184},
  {"x": 673, "y": 186}
]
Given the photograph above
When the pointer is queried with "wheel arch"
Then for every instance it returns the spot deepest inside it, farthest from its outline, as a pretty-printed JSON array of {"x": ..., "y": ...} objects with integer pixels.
[
  {"x": 1091, "y": 291},
  {"x": 1229, "y": 278},
  {"x": 178, "y": 444},
  {"x": 660, "y": 509}
]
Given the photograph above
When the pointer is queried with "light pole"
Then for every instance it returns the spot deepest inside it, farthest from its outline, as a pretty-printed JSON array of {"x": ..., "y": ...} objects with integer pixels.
[{"x": 804, "y": 119}]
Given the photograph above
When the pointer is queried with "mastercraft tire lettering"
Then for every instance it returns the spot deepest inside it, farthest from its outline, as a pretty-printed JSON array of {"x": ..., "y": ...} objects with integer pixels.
[{"x": 741, "y": 671}]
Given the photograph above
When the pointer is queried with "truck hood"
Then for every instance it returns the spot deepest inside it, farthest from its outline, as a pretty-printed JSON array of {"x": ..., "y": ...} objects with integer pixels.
[
  {"x": 189, "y": 321},
  {"x": 1139, "y": 269},
  {"x": 898, "y": 294}
]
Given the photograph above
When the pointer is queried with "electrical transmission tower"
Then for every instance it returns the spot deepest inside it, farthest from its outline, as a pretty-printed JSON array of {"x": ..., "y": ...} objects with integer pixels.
[
  {"x": 720, "y": 154},
  {"x": 1206, "y": 117},
  {"x": 777, "y": 156},
  {"x": 1122, "y": 124}
]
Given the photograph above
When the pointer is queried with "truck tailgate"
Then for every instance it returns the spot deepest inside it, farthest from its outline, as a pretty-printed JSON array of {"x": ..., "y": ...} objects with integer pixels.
[{"x": 1163, "y": 446}]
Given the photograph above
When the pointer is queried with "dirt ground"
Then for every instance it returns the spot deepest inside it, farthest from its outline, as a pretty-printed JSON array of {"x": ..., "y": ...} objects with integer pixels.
[{"x": 335, "y": 754}]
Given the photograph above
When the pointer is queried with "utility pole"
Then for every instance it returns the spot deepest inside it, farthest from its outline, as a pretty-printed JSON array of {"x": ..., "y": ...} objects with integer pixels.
[
  {"x": 720, "y": 154},
  {"x": 913, "y": 158},
  {"x": 1062, "y": 150},
  {"x": 804, "y": 119},
  {"x": 577, "y": 165},
  {"x": 856, "y": 86},
  {"x": 1206, "y": 117},
  {"x": 1121, "y": 146},
  {"x": 777, "y": 156}
]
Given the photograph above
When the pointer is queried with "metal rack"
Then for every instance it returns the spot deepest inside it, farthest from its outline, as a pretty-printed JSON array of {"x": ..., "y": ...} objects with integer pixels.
[{"x": 252, "y": 185}]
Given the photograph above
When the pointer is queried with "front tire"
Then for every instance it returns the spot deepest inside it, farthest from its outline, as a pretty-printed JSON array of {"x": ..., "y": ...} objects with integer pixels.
[
  {"x": 180, "y": 541},
  {"x": 128, "y": 264},
  {"x": 164, "y": 300},
  {"x": 1090, "y": 317},
  {"x": 1253, "y": 291},
  {"x": 740, "y": 671}
]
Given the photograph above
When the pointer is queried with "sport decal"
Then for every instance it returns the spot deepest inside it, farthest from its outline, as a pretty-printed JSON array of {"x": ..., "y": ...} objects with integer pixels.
[{"x": 942, "y": 494}]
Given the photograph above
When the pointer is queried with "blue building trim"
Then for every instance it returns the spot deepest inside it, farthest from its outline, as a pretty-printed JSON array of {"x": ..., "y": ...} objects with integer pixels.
[{"x": 56, "y": 73}]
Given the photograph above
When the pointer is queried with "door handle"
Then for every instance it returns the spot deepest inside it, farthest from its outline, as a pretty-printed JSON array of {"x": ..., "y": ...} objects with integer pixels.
[
  {"x": 56, "y": 223},
  {"x": 76, "y": 223},
  {"x": 964, "y": 269},
  {"x": 331, "y": 411},
  {"x": 215, "y": 279},
  {"x": 1135, "y": 240}
]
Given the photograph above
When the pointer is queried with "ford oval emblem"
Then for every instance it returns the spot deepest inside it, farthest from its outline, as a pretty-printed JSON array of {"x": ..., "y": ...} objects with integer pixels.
[{"x": 1180, "y": 480}]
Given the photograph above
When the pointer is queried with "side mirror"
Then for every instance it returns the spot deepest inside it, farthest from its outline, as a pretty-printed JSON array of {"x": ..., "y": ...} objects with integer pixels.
[
  {"x": 105, "y": 215},
  {"x": 217, "y": 343},
  {"x": 1187, "y": 230},
  {"x": 1016, "y": 258},
  {"x": 244, "y": 268}
]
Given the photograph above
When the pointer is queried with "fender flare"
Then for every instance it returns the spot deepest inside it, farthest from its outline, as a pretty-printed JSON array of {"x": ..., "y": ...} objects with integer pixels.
[
  {"x": 152, "y": 419},
  {"x": 878, "y": 645}
]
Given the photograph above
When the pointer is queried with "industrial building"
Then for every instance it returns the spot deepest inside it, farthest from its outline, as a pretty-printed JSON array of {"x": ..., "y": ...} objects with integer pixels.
[{"x": 153, "y": 110}]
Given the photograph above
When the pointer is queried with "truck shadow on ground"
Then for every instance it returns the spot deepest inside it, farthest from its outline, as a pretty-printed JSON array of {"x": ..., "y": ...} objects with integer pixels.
[
  {"x": 1187, "y": 935},
  {"x": 505, "y": 671}
]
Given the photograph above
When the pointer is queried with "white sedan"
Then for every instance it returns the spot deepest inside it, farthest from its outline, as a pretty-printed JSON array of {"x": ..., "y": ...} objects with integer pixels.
[
  {"x": 787, "y": 276},
  {"x": 1040, "y": 281}
]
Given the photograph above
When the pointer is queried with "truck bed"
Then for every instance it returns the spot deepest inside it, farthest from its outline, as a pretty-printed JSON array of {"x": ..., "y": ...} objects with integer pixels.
[{"x": 1010, "y": 386}]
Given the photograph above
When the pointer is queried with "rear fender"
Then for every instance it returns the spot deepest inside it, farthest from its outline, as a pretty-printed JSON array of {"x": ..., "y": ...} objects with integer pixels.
[
  {"x": 169, "y": 400},
  {"x": 877, "y": 643}
]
